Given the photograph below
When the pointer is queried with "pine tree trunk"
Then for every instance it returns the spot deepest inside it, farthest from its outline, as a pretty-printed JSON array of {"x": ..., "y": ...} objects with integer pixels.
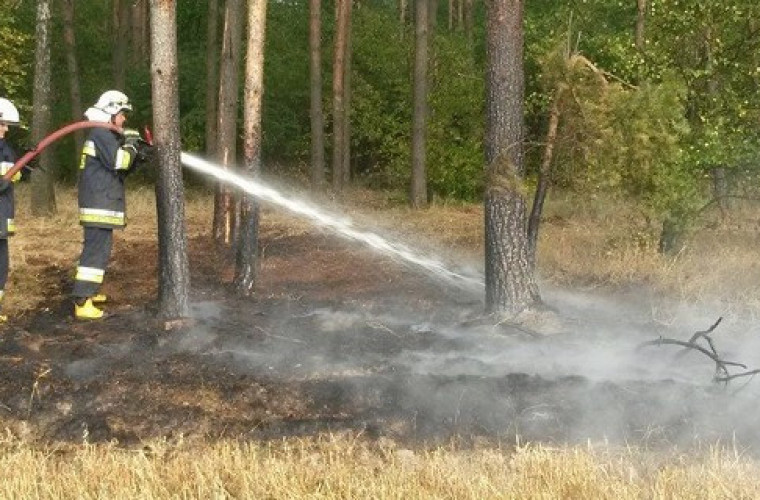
[
  {"x": 339, "y": 112},
  {"x": 212, "y": 76},
  {"x": 174, "y": 270},
  {"x": 246, "y": 268},
  {"x": 121, "y": 38},
  {"x": 346, "y": 168},
  {"x": 43, "y": 191},
  {"x": 419, "y": 121},
  {"x": 69, "y": 40},
  {"x": 510, "y": 284},
  {"x": 226, "y": 143},
  {"x": 544, "y": 175},
  {"x": 315, "y": 86},
  {"x": 641, "y": 11}
]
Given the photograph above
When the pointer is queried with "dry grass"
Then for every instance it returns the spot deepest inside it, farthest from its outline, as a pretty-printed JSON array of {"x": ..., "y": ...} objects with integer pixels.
[
  {"x": 342, "y": 467},
  {"x": 591, "y": 243}
]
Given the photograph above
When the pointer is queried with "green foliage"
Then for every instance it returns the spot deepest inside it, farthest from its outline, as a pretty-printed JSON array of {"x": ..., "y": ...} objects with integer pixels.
[{"x": 15, "y": 47}]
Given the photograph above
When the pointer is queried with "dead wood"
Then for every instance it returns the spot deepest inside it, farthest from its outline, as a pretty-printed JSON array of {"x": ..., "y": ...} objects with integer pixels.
[{"x": 722, "y": 373}]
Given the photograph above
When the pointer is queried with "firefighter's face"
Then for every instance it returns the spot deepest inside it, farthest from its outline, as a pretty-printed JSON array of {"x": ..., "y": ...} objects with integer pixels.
[
  {"x": 3, "y": 129},
  {"x": 119, "y": 119}
]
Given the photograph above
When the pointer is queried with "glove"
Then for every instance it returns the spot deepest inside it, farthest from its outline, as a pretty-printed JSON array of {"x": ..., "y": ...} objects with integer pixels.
[
  {"x": 145, "y": 152},
  {"x": 4, "y": 185},
  {"x": 131, "y": 137}
]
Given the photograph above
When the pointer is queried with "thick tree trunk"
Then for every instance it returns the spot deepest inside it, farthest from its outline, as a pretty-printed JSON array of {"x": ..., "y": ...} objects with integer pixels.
[
  {"x": 339, "y": 73},
  {"x": 226, "y": 143},
  {"x": 120, "y": 40},
  {"x": 315, "y": 86},
  {"x": 544, "y": 175},
  {"x": 419, "y": 121},
  {"x": 510, "y": 284},
  {"x": 69, "y": 40},
  {"x": 246, "y": 268},
  {"x": 174, "y": 271},
  {"x": 469, "y": 21},
  {"x": 212, "y": 76},
  {"x": 43, "y": 192}
]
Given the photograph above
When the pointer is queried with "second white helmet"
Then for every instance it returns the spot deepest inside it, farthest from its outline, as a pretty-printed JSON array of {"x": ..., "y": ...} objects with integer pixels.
[
  {"x": 8, "y": 112},
  {"x": 113, "y": 101}
]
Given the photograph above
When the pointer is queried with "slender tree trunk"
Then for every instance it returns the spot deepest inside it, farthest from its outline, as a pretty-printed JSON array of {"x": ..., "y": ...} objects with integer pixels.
[
  {"x": 69, "y": 41},
  {"x": 544, "y": 176},
  {"x": 403, "y": 6},
  {"x": 174, "y": 270},
  {"x": 139, "y": 41},
  {"x": 469, "y": 21},
  {"x": 339, "y": 111},
  {"x": 419, "y": 121},
  {"x": 228, "y": 110},
  {"x": 43, "y": 191},
  {"x": 346, "y": 168},
  {"x": 246, "y": 269},
  {"x": 316, "y": 113},
  {"x": 510, "y": 284},
  {"x": 641, "y": 14},
  {"x": 212, "y": 76},
  {"x": 460, "y": 15},
  {"x": 451, "y": 15},
  {"x": 120, "y": 32}
]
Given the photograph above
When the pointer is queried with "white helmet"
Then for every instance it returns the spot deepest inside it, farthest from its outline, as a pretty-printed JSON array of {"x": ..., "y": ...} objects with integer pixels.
[
  {"x": 8, "y": 112},
  {"x": 113, "y": 101}
]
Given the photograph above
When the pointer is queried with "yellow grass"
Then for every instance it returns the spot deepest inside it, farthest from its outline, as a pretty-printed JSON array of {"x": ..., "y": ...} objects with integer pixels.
[{"x": 345, "y": 467}]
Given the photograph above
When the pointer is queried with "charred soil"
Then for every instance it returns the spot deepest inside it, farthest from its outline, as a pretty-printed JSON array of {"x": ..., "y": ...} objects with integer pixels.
[{"x": 337, "y": 339}]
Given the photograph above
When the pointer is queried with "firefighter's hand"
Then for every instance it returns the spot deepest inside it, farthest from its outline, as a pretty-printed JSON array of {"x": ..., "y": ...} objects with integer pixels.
[
  {"x": 145, "y": 152},
  {"x": 4, "y": 185},
  {"x": 131, "y": 137}
]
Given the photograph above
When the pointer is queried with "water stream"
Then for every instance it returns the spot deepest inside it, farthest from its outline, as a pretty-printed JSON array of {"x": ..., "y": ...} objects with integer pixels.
[{"x": 336, "y": 223}]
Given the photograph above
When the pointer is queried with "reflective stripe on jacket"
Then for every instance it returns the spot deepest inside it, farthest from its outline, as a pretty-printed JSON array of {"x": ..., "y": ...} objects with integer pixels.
[
  {"x": 7, "y": 202},
  {"x": 102, "y": 167}
]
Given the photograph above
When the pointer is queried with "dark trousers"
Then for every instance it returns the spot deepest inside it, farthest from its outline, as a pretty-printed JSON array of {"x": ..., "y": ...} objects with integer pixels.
[
  {"x": 96, "y": 252},
  {"x": 4, "y": 260}
]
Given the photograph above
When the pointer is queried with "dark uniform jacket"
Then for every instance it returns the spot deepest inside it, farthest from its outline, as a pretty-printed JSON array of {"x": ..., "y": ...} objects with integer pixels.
[
  {"x": 7, "y": 205},
  {"x": 104, "y": 164}
]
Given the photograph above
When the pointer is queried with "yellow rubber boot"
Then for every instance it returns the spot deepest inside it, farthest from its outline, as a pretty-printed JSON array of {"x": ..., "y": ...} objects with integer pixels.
[
  {"x": 100, "y": 298},
  {"x": 87, "y": 311}
]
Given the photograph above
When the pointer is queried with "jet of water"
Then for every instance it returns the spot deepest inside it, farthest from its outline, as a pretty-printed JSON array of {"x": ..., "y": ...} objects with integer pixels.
[{"x": 332, "y": 222}]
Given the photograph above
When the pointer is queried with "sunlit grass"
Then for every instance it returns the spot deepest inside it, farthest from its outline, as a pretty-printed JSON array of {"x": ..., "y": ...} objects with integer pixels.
[{"x": 333, "y": 467}]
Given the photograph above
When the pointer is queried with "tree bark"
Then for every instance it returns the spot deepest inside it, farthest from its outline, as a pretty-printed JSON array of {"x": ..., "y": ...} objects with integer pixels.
[
  {"x": 544, "y": 176},
  {"x": 226, "y": 143},
  {"x": 510, "y": 284},
  {"x": 346, "y": 168},
  {"x": 43, "y": 191},
  {"x": 174, "y": 270},
  {"x": 246, "y": 268},
  {"x": 315, "y": 86},
  {"x": 69, "y": 40},
  {"x": 120, "y": 33},
  {"x": 641, "y": 13},
  {"x": 339, "y": 75},
  {"x": 418, "y": 193},
  {"x": 212, "y": 76}
]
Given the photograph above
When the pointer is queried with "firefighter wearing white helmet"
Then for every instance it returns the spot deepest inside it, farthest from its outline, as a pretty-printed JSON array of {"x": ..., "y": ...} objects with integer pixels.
[
  {"x": 8, "y": 116},
  {"x": 107, "y": 158}
]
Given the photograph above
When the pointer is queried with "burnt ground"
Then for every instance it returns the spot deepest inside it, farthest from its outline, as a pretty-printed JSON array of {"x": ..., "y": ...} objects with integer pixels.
[{"x": 341, "y": 339}]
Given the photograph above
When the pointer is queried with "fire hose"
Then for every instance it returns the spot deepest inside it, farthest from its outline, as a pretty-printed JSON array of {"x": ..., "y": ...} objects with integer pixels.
[{"x": 61, "y": 132}]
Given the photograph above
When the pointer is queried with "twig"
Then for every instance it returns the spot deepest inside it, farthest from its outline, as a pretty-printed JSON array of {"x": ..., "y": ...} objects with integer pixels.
[
  {"x": 720, "y": 364},
  {"x": 727, "y": 378}
]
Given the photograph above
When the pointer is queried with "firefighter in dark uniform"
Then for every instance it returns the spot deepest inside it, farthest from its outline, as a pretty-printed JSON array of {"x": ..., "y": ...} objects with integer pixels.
[
  {"x": 107, "y": 158},
  {"x": 8, "y": 116}
]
